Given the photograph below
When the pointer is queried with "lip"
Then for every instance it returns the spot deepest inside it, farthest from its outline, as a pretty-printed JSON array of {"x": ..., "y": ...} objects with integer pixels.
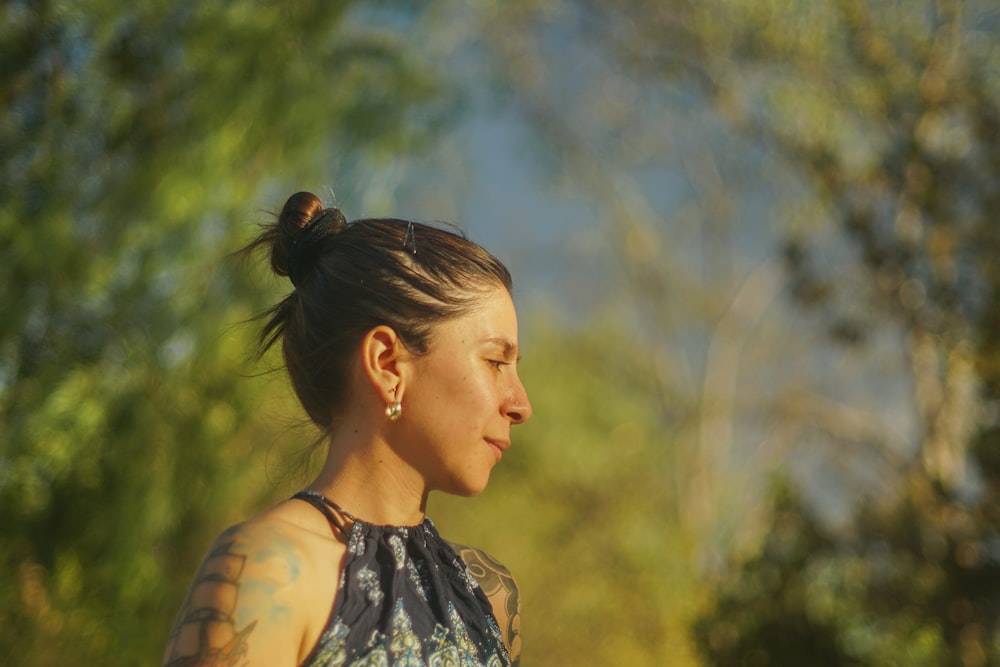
[{"x": 500, "y": 445}]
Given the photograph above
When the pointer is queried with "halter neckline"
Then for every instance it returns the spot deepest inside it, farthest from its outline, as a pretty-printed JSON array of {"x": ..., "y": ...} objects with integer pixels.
[{"x": 350, "y": 518}]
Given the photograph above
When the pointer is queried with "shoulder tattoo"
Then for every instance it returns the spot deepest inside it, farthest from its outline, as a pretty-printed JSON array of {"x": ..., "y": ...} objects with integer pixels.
[
  {"x": 501, "y": 589},
  {"x": 205, "y": 633}
]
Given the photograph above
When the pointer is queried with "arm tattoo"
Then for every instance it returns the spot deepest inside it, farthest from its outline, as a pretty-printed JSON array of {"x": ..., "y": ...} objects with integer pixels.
[
  {"x": 499, "y": 585},
  {"x": 205, "y": 633}
]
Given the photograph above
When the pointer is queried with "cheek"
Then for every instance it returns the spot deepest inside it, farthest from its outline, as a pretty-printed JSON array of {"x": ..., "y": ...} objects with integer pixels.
[
  {"x": 438, "y": 397},
  {"x": 454, "y": 381},
  {"x": 466, "y": 400},
  {"x": 456, "y": 392},
  {"x": 469, "y": 405}
]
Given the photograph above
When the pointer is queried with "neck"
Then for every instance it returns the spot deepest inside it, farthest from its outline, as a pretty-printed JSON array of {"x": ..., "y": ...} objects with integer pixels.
[{"x": 367, "y": 478}]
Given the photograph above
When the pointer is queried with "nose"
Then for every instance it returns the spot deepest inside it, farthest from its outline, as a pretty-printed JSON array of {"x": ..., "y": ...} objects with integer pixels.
[{"x": 518, "y": 407}]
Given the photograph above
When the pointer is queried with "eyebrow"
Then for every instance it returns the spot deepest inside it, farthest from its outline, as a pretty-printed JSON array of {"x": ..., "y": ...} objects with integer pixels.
[{"x": 507, "y": 346}]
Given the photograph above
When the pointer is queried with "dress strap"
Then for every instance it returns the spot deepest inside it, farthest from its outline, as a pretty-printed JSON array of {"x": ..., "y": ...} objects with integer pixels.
[{"x": 339, "y": 519}]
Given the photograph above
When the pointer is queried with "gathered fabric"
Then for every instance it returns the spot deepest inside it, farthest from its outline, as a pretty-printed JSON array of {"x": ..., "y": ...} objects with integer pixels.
[{"x": 405, "y": 599}]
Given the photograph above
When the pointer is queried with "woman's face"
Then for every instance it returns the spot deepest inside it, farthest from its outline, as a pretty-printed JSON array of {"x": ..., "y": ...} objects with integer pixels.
[{"x": 463, "y": 397}]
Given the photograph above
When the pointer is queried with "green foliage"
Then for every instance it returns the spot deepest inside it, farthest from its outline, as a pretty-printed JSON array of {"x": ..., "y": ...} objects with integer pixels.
[
  {"x": 135, "y": 139},
  {"x": 762, "y": 617},
  {"x": 888, "y": 112},
  {"x": 913, "y": 584}
]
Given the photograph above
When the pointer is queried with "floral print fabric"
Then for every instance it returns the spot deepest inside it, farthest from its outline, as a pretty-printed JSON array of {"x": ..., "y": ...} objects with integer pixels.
[{"x": 405, "y": 600}]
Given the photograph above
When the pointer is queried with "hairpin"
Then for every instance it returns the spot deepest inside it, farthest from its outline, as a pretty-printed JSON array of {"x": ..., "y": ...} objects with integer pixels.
[{"x": 409, "y": 240}]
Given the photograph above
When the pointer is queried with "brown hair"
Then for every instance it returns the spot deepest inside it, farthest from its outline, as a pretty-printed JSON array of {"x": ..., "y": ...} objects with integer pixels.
[{"x": 352, "y": 277}]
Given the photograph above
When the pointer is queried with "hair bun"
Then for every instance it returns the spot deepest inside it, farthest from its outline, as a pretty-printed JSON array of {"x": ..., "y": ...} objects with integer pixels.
[
  {"x": 301, "y": 227},
  {"x": 298, "y": 212}
]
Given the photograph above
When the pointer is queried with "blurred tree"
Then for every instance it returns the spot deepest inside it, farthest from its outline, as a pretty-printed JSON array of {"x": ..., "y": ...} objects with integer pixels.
[
  {"x": 881, "y": 119},
  {"x": 889, "y": 112},
  {"x": 135, "y": 136}
]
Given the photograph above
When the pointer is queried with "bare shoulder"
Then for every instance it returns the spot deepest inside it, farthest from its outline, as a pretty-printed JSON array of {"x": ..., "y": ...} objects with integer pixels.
[
  {"x": 254, "y": 598},
  {"x": 501, "y": 588}
]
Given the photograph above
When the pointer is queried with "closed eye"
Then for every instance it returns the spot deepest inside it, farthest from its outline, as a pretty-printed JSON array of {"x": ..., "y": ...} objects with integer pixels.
[{"x": 497, "y": 364}]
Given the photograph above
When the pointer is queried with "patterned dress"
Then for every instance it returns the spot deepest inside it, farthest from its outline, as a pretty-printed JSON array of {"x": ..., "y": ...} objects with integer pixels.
[{"x": 405, "y": 600}]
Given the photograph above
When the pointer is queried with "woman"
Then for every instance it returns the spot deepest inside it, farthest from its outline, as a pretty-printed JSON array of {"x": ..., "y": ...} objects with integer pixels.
[{"x": 401, "y": 343}]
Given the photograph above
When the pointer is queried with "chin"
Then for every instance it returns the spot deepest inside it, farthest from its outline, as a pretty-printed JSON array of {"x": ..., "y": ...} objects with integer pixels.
[
  {"x": 467, "y": 488},
  {"x": 467, "y": 491}
]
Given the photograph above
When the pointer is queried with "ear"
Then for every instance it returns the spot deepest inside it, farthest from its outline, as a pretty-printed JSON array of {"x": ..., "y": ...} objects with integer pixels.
[{"x": 383, "y": 358}]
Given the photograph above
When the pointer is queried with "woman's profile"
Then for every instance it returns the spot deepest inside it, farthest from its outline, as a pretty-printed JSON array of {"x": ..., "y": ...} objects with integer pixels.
[{"x": 400, "y": 340}]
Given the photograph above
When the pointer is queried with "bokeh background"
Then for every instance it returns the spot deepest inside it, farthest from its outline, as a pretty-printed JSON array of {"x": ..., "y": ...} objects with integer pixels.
[{"x": 757, "y": 264}]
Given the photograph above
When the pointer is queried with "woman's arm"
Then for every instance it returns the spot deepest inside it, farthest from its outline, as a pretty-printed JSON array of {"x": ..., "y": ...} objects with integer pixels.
[
  {"x": 501, "y": 589},
  {"x": 240, "y": 609}
]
